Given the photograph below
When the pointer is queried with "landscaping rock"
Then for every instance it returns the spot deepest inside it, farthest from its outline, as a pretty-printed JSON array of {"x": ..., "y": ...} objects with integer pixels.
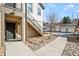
[
  {"x": 38, "y": 42},
  {"x": 72, "y": 47}
]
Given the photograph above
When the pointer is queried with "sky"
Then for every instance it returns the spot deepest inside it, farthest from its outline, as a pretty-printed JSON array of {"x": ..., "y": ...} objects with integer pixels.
[{"x": 61, "y": 10}]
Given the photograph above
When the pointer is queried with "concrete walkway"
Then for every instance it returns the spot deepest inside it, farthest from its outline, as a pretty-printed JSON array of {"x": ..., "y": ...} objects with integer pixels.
[
  {"x": 18, "y": 49},
  {"x": 54, "y": 48}
]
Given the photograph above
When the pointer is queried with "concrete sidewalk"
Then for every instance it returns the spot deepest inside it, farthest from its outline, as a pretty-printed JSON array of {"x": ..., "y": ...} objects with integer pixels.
[
  {"x": 54, "y": 48},
  {"x": 18, "y": 49}
]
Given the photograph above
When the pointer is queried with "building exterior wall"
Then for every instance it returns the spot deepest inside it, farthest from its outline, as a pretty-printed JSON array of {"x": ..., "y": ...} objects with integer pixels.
[
  {"x": 17, "y": 21},
  {"x": 8, "y": 10},
  {"x": 18, "y": 31},
  {"x": 0, "y": 29},
  {"x": 24, "y": 37},
  {"x": 2, "y": 32},
  {"x": 3, "y": 17},
  {"x": 18, "y": 15},
  {"x": 19, "y": 11},
  {"x": 38, "y": 18},
  {"x": 32, "y": 32},
  {"x": 19, "y": 5}
]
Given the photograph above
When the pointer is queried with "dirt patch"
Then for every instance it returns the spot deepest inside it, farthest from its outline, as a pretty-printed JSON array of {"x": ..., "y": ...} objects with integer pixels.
[{"x": 38, "y": 42}]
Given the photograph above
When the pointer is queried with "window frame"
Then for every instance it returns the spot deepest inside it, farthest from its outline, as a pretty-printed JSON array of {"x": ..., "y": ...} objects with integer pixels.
[
  {"x": 38, "y": 11},
  {"x": 13, "y": 5},
  {"x": 30, "y": 7}
]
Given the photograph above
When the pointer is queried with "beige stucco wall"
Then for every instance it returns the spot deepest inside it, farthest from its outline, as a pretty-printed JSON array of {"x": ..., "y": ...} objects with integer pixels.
[
  {"x": 18, "y": 31},
  {"x": 18, "y": 5},
  {"x": 9, "y": 10},
  {"x": 24, "y": 37},
  {"x": 18, "y": 13},
  {"x": 0, "y": 29},
  {"x": 19, "y": 16},
  {"x": 2, "y": 33},
  {"x": 22, "y": 14},
  {"x": 27, "y": 30}
]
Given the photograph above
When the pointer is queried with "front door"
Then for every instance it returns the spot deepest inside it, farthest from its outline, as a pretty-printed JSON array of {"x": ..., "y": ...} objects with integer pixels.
[{"x": 10, "y": 31}]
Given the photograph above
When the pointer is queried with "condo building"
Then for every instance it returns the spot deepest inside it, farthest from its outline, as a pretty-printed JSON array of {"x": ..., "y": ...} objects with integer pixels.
[{"x": 20, "y": 21}]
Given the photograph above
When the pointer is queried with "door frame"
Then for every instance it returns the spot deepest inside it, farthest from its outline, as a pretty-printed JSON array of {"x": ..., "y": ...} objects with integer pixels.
[{"x": 14, "y": 32}]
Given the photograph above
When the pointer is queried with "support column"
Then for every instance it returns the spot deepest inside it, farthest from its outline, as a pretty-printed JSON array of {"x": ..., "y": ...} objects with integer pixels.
[
  {"x": 26, "y": 22},
  {"x": 0, "y": 29},
  {"x": 2, "y": 33},
  {"x": 23, "y": 23},
  {"x": 23, "y": 29}
]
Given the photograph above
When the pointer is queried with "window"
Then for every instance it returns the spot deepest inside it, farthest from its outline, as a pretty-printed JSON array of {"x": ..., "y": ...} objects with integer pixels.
[
  {"x": 11, "y": 5},
  {"x": 21, "y": 6},
  {"x": 30, "y": 7},
  {"x": 39, "y": 11}
]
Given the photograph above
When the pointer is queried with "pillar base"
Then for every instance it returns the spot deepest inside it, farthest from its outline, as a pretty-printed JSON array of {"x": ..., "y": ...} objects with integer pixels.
[{"x": 2, "y": 51}]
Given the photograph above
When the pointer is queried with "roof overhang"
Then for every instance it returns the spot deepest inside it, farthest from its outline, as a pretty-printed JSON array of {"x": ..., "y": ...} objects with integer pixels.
[{"x": 41, "y": 5}]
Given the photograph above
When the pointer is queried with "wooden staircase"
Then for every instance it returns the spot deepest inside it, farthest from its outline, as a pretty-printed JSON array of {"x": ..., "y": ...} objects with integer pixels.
[{"x": 34, "y": 24}]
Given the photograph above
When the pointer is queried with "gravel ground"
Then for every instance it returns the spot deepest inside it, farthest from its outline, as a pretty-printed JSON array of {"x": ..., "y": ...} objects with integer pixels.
[
  {"x": 38, "y": 42},
  {"x": 72, "y": 46}
]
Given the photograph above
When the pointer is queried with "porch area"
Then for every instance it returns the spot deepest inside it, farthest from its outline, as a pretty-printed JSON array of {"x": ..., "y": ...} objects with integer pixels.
[{"x": 13, "y": 27}]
